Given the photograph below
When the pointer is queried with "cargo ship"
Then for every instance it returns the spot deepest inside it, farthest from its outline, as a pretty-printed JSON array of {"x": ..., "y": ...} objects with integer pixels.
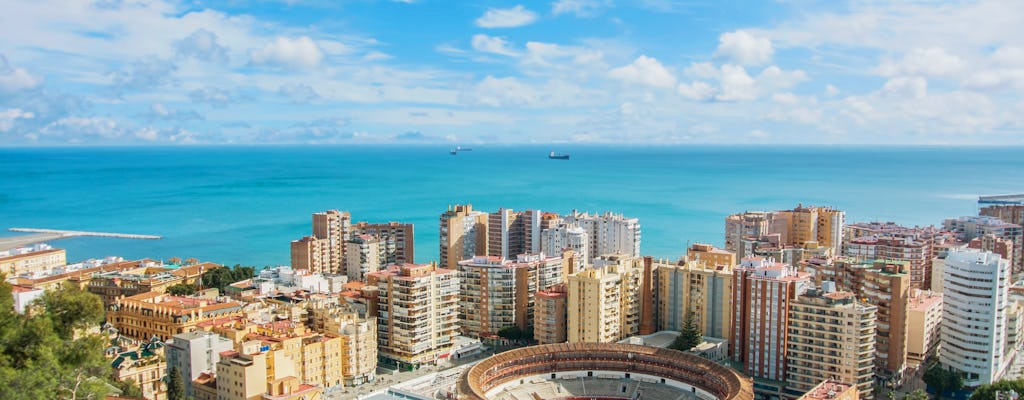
[{"x": 557, "y": 156}]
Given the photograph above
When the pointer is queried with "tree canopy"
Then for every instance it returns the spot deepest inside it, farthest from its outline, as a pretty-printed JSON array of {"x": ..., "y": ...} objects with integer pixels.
[
  {"x": 988, "y": 392},
  {"x": 942, "y": 380},
  {"x": 689, "y": 337},
  {"x": 222, "y": 277},
  {"x": 46, "y": 354}
]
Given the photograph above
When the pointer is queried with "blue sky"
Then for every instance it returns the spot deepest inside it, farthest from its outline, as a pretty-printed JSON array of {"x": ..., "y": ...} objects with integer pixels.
[{"x": 565, "y": 71}]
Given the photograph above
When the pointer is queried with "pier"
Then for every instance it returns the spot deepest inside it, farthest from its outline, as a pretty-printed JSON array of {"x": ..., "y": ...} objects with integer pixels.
[{"x": 63, "y": 233}]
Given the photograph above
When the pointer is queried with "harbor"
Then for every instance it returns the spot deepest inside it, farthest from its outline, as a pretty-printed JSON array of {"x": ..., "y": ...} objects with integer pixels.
[{"x": 39, "y": 235}]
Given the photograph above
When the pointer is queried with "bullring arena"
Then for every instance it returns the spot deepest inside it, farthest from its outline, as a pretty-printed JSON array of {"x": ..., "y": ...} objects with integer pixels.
[{"x": 600, "y": 371}]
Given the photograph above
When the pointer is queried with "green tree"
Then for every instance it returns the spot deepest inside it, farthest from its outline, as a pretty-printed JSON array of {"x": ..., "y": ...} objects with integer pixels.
[
  {"x": 942, "y": 380},
  {"x": 690, "y": 336},
  {"x": 181, "y": 289},
  {"x": 988, "y": 392},
  {"x": 222, "y": 277},
  {"x": 918, "y": 394},
  {"x": 128, "y": 387},
  {"x": 175, "y": 385},
  {"x": 48, "y": 353}
]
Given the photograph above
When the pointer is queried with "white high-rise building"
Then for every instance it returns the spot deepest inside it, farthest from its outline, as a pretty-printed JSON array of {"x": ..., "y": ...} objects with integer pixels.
[
  {"x": 974, "y": 315},
  {"x": 556, "y": 239},
  {"x": 609, "y": 233}
]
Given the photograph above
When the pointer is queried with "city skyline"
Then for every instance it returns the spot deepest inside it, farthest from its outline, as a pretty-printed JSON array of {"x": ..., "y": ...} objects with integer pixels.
[{"x": 567, "y": 71}]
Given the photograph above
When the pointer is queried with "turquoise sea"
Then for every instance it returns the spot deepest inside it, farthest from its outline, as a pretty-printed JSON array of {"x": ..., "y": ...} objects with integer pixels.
[{"x": 244, "y": 204}]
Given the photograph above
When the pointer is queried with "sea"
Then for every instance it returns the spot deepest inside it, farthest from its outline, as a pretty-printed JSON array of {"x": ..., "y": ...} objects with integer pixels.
[{"x": 244, "y": 204}]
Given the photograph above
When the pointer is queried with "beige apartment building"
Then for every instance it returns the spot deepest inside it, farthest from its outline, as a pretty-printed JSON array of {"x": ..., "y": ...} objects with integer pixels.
[
  {"x": 749, "y": 224},
  {"x": 242, "y": 375},
  {"x": 463, "y": 235},
  {"x": 924, "y": 317},
  {"x": 364, "y": 254},
  {"x": 802, "y": 226},
  {"x": 314, "y": 255},
  {"x": 551, "y": 314},
  {"x": 31, "y": 260},
  {"x": 397, "y": 239},
  {"x": 831, "y": 336},
  {"x": 699, "y": 287},
  {"x": 496, "y": 293},
  {"x": 604, "y": 302},
  {"x": 418, "y": 310}
]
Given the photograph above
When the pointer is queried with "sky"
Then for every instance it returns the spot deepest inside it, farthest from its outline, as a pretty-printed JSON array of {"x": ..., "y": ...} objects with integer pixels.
[{"x": 649, "y": 72}]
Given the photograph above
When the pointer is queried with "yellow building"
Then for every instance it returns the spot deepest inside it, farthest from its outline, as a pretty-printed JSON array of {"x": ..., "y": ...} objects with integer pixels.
[
  {"x": 831, "y": 336},
  {"x": 31, "y": 260},
  {"x": 154, "y": 314},
  {"x": 696, "y": 287},
  {"x": 463, "y": 235},
  {"x": 550, "y": 315},
  {"x": 358, "y": 341},
  {"x": 810, "y": 227},
  {"x": 603, "y": 301},
  {"x": 242, "y": 375},
  {"x": 923, "y": 320},
  {"x": 710, "y": 255}
]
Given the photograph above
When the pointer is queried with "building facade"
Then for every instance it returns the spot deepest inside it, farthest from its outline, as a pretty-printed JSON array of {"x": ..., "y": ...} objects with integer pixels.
[
  {"x": 762, "y": 293},
  {"x": 831, "y": 336},
  {"x": 604, "y": 302},
  {"x": 924, "y": 319},
  {"x": 463, "y": 235},
  {"x": 974, "y": 316},
  {"x": 497, "y": 293},
  {"x": 609, "y": 233},
  {"x": 698, "y": 287},
  {"x": 417, "y": 313},
  {"x": 195, "y": 353},
  {"x": 551, "y": 314},
  {"x": 31, "y": 260}
]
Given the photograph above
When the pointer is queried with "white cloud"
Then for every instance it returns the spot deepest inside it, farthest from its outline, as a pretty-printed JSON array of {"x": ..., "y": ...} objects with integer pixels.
[
  {"x": 217, "y": 97},
  {"x": 492, "y": 44},
  {"x": 580, "y": 8},
  {"x": 932, "y": 61},
  {"x": 148, "y": 133},
  {"x": 15, "y": 79},
  {"x": 736, "y": 84},
  {"x": 299, "y": 52},
  {"x": 144, "y": 74},
  {"x": 774, "y": 78},
  {"x": 914, "y": 87},
  {"x": 645, "y": 71},
  {"x": 74, "y": 129},
  {"x": 8, "y": 116},
  {"x": 202, "y": 44},
  {"x": 758, "y": 134},
  {"x": 298, "y": 93},
  {"x": 697, "y": 90},
  {"x": 744, "y": 48},
  {"x": 831, "y": 91},
  {"x": 497, "y": 92},
  {"x": 506, "y": 17}
]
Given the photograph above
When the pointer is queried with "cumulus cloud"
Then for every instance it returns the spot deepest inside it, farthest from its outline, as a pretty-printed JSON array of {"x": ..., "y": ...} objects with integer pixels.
[
  {"x": 914, "y": 87},
  {"x": 147, "y": 133},
  {"x": 159, "y": 111},
  {"x": 8, "y": 117},
  {"x": 298, "y": 93},
  {"x": 496, "y": 92},
  {"x": 646, "y": 71},
  {"x": 300, "y": 52},
  {"x": 15, "y": 79},
  {"x": 202, "y": 44},
  {"x": 506, "y": 17},
  {"x": 217, "y": 97},
  {"x": 580, "y": 8},
  {"x": 493, "y": 45},
  {"x": 932, "y": 61},
  {"x": 744, "y": 48},
  {"x": 737, "y": 85},
  {"x": 697, "y": 90},
  {"x": 144, "y": 74},
  {"x": 74, "y": 129}
]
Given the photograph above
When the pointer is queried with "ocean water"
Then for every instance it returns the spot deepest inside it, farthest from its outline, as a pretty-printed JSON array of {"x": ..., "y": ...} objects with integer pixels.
[{"x": 242, "y": 205}]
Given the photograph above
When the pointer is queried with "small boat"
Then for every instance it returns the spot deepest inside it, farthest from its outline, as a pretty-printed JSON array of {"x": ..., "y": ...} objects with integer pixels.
[
  {"x": 457, "y": 149},
  {"x": 556, "y": 156}
]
